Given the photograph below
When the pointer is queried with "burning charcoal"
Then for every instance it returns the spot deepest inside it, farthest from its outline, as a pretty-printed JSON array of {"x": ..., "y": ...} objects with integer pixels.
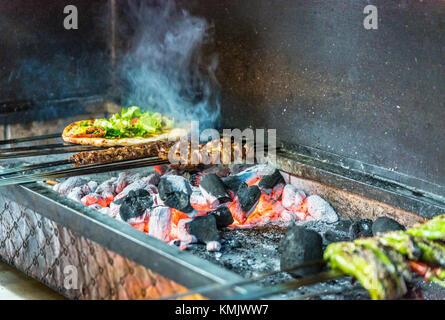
[
  {"x": 292, "y": 198},
  {"x": 267, "y": 182},
  {"x": 385, "y": 224},
  {"x": 213, "y": 246},
  {"x": 159, "y": 225},
  {"x": 153, "y": 179},
  {"x": 114, "y": 210},
  {"x": 203, "y": 228},
  {"x": 107, "y": 186},
  {"x": 223, "y": 217},
  {"x": 137, "y": 185},
  {"x": 197, "y": 200},
  {"x": 236, "y": 168},
  {"x": 298, "y": 246},
  {"x": 134, "y": 204},
  {"x": 91, "y": 199},
  {"x": 124, "y": 179},
  {"x": 320, "y": 209},
  {"x": 194, "y": 179},
  {"x": 157, "y": 201},
  {"x": 220, "y": 171},
  {"x": 214, "y": 190},
  {"x": 232, "y": 182},
  {"x": 92, "y": 186},
  {"x": 360, "y": 229},
  {"x": 183, "y": 233},
  {"x": 287, "y": 216},
  {"x": 247, "y": 200},
  {"x": 175, "y": 191},
  {"x": 76, "y": 194},
  {"x": 140, "y": 219},
  {"x": 251, "y": 174},
  {"x": 66, "y": 186},
  {"x": 338, "y": 231}
]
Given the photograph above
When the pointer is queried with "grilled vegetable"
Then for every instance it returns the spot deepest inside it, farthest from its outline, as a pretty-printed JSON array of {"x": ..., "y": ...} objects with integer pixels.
[
  {"x": 383, "y": 263},
  {"x": 402, "y": 242},
  {"x": 433, "y": 229},
  {"x": 375, "y": 274},
  {"x": 433, "y": 252}
]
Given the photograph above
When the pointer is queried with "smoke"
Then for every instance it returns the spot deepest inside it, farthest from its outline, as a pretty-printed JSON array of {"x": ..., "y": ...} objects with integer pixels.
[{"x": 164, "y": 69}]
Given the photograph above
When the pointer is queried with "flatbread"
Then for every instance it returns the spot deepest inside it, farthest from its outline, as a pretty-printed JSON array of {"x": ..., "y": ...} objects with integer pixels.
[{"x": 108, "y": 142}]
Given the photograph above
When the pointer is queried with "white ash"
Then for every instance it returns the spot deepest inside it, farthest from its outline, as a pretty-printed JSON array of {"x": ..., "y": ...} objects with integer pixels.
[
  {"x": 76, "y": 194},
  {"x": 287, "y": 217},
  {"x": 107, "y": 186},
  {"x": 114, "y": 211},
  {"x": 66, "y": 186},
  {"x": 136, "y": 185},
  {"x": 197, "y": 198},
  {"x": 211, "y": 200},
  {"x": 292, "y": 197},
  {"x": 152, "y": 179},
  {"x": 142, "y": 218},
  {"x": 92, "y": 186},
  {"x": 157, "y": 201},
  {"x": 320, "y": 209},
  {"x": 183, "y": 234},
  {"x": 180, "y": 183},
  {"x": 159, "y": 225},
  {"x": 124, "y": 179},
  {"x": 213, "y": 246}
]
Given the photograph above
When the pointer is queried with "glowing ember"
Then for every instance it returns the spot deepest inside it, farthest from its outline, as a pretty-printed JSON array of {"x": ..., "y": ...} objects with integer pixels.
[{"x": 269, "y": 207}]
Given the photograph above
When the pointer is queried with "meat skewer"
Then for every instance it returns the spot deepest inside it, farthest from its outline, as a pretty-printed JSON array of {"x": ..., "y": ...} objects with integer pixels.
[{"x": 145, "y": 150}]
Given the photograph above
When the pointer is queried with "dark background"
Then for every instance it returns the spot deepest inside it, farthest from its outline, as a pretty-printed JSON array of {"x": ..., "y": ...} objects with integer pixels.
[
  {"x": 307, "y": 68},
  {"x": 41, "y": 60}
]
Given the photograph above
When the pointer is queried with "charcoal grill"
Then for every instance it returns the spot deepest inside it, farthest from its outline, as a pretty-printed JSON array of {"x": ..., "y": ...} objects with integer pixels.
[{"x": 370, "y": 145}]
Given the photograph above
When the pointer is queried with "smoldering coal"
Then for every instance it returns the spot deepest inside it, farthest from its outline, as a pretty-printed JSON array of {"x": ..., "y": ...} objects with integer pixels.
[
  {"x": 175, "y": 191},
  {"x": 214, "y": 190}
]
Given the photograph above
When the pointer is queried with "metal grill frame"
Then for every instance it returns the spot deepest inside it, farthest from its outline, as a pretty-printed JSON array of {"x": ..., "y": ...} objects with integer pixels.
[{"x": 182, "y": 267}]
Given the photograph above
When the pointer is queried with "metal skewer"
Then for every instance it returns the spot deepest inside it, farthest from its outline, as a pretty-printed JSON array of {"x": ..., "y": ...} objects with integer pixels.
[
  {"x": 30, "y": 167},
  {"x": 40, "y": 147},
  {"x": 75, "y": 148},
  {"x": 212, "y": 287},
  {"x": 85, "y": 170},
  {"x": 32, "y": 138},
  {"x": 287, "y": 286}
]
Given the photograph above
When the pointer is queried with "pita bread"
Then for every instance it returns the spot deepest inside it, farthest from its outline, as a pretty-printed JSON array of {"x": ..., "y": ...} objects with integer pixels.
[{"x": 68, "y": 133}]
